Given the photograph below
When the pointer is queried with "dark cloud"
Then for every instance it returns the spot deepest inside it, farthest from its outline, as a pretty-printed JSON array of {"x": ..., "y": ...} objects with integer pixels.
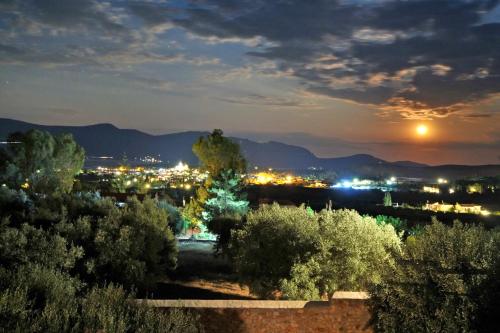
[
  {"x": 71, "y": 13},
  {"x": 442, "y": 44},
  {"x": 84, "y": 32},
  {"x": 421, "y": 58},
  {"x": 270, "y": 101},
  {"x": 150, "y": 13}
]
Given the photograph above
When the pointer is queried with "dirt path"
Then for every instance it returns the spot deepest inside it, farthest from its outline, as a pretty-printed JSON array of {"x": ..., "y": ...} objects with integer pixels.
[{"x": 201, "y": 275}]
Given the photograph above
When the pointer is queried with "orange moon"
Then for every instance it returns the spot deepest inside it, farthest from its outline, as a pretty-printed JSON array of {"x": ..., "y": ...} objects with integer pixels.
[{"x": 422, "y": 130}]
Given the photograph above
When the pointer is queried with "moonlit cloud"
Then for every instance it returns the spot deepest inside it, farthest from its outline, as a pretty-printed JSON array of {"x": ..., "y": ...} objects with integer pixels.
[{"x": 384, "y": 38}]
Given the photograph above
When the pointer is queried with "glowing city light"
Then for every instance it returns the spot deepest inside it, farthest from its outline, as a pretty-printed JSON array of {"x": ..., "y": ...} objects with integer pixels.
[
  {"x": 442, "y": 181},
  {"x": 181, "y": 167}
]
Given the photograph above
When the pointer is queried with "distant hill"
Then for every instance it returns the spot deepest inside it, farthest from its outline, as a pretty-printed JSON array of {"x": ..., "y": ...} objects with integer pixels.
[{"x": 108, "y": 140}]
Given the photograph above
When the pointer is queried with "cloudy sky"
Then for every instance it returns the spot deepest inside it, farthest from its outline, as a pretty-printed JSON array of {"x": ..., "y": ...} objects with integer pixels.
[{"x": 337, "y": 76}]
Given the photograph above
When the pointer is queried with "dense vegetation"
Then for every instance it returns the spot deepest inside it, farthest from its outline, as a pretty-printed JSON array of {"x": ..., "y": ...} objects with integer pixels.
[
  {"x": 71, "y": 261},
  {"x": 446, "y": 280},
  {"x": 436, "y": 279},
  {"x": 307, "y": 255},
  {"x": 220, "y": 196}
]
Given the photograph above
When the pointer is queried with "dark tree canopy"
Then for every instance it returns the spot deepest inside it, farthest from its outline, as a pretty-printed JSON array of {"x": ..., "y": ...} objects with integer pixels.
[
  {"x": 218, "y": 153},
  {"x": 223, "y": 160},
  {"x": 41, "y": 162},
  {"x": 445, "y": 280}
]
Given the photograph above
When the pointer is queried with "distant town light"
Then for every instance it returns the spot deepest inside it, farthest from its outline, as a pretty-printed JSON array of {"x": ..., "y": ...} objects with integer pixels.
[
  {"x": 485, "y": 212},
  {"x": 181, "y": 167},
  {"x": 451, "y": 191},
  {"x": 431, "y": 189}
]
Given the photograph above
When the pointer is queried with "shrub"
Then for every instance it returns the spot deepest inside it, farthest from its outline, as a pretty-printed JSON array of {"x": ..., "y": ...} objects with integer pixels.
[
  {"x": 133, "y": 246},
  {"x": 440, "y": 281},
  {"x": 272, "y": 240},
  {"x": 353, "y": 255},
  {"x": 38, "y": 299},
  {"x": 223, "y": 227},
  {"x": 111, "y": 309},
  {"x": 305, "y": 255}
]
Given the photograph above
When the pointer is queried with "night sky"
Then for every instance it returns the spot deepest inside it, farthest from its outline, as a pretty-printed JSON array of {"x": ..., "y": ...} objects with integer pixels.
[{"x": 338, "y": 77}]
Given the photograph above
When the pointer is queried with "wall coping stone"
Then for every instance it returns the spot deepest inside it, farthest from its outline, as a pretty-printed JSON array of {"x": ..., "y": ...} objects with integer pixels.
[{"x": 252, "y": 304}]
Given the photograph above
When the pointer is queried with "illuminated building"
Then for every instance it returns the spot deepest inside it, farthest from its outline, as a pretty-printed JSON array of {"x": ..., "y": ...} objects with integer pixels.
[
  {"x": 431, "y": 189},
  {"x": 456, "y": 208}
]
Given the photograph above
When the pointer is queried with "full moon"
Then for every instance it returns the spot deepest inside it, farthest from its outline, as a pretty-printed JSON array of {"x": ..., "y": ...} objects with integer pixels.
[{"x": 422, "y": 130}]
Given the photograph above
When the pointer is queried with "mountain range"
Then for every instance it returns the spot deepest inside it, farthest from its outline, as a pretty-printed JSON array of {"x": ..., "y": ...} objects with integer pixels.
[{"x": 108, "y": 140}]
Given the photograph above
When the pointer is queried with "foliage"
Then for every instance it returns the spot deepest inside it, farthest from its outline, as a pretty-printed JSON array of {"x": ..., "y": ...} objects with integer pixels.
[
  {"x": 16, "y": 205},
  {"x": 387, "y": 199},
  {"x": 34, "y": 298},
  {"x": 129, "y": 183},
  {"x": 218, "y": 153},
  {"x": 194, "y": 209},
  {"x": 353, "y": 254},
  {"x": 133, "y": 245},
  {"x": 225, "y": 200},
  {"x": 223, "y": 227},
  {"x": 41, "y": 162},
  {"x": 27, "y": 244},
  {"x": 272, "y": 240},
  {"x": 441, "y": 283},
  {"x": 175, "y": 220},
  {"x": 54, "y": 245},
  {"x": 398, "y": 224},
  {"x": 130, "y": 246},
  {"x": 38, "y": 299},
  {"x": 219, "y": 195},
  {"x": 111, "y": 309},
  {"x": 43, "y": 262},
  {"x": 305, "y": 256}
]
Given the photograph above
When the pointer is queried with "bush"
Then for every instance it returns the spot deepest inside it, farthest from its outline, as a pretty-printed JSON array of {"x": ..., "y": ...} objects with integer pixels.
[
  {"x": 353, "y": 255},
  {"x": 398, "y": 224},
  {"x": 441, "y": 283},
  {"x": 272, "y": 240},
  {"x": 38, "y": 299},
  {"x": 133, "y": 246},
  {"x": 305, "y": 255},
  {"x": 27, "y": 244},
  {"x": 92, "y": 238},
  {"x": 223, "y": 227},
  {"x": 175, "y": 220},
  {"x": 111, "y": 310}
]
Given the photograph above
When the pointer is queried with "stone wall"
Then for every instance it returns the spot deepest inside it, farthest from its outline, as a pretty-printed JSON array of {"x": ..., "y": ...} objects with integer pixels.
[{"x": 346, "y": 312}]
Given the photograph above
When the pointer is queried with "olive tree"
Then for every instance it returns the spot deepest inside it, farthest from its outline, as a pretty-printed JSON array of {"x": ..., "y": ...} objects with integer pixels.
[
  {"x": 442, "y": 282},
  {"x": 40, "y": 162},
  {"x": 296, "y": 253}
]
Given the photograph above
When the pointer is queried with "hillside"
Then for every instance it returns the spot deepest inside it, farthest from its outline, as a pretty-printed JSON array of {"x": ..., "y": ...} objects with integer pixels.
[{"x": 108, "y": 140}]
